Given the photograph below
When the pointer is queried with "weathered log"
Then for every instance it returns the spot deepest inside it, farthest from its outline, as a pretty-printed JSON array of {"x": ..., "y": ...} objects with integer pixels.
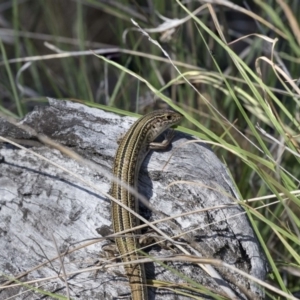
[{"x": 42, "y": 205}]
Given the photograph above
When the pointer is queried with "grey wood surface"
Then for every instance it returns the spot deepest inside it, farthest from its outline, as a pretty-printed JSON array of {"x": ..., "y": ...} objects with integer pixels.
[{"x": 41, "y": 205}]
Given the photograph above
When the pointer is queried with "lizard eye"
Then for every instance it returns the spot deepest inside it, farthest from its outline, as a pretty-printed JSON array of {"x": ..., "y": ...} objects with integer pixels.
[{"x": 169, "y": 117}]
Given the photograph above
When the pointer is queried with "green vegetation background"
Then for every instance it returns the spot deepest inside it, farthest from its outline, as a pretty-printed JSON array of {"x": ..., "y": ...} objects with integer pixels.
[{"x": 228, "y": 67}]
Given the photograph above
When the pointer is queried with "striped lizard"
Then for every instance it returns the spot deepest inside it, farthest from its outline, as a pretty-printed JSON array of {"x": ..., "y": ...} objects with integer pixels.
[{"x": 132, "y": 150}]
